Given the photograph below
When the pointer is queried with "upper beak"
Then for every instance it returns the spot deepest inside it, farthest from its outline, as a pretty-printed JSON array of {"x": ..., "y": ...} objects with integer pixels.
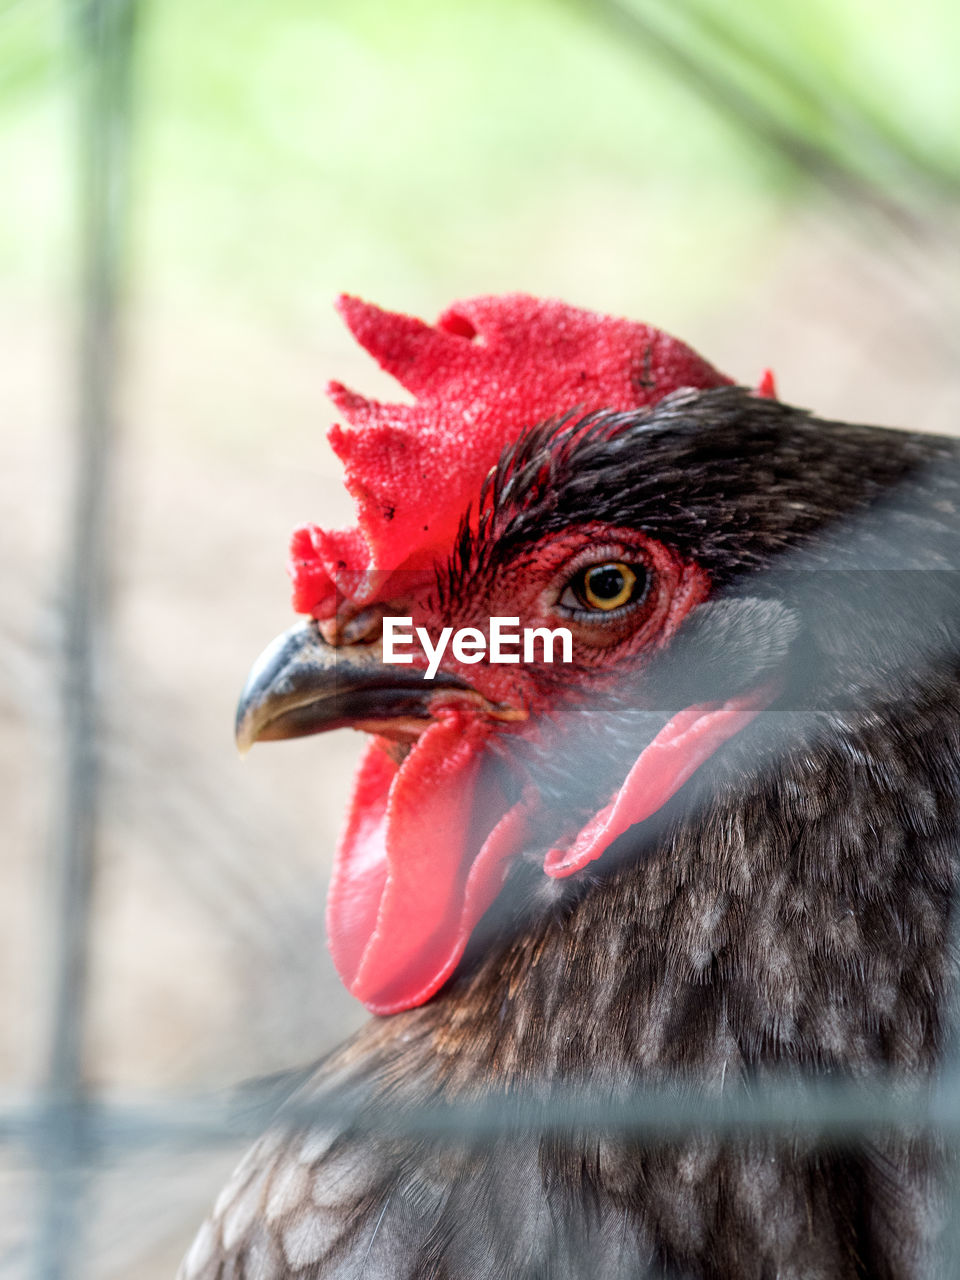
[{"x": 301, "y": 685}]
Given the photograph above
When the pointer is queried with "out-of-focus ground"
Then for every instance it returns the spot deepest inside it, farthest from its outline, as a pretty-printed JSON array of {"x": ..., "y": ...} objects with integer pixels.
[{"x": 209, "y": 960}]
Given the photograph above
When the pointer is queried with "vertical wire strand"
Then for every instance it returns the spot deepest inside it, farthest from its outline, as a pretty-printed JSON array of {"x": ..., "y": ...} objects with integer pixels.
[{"x": 102, "y": 36}]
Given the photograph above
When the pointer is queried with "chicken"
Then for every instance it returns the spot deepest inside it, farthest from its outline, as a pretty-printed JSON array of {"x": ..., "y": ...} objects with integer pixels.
[{"x": 716, "y": 845}]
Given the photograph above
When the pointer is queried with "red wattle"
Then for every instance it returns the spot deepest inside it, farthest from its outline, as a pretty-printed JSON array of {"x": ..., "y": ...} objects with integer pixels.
[
  {"x": 360, "y": 866},
  {"x": 402, "y": 904},
  {"x": 676, "y": 753},
  {"x": 427, "y": 843}
]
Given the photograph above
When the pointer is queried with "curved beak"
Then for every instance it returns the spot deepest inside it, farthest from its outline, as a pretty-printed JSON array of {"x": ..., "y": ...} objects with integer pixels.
[{"x": 301, "y": 685}]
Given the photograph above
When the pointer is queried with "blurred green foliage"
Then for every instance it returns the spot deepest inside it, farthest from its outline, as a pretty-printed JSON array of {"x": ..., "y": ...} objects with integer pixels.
[{"x": 597, "y": 150}]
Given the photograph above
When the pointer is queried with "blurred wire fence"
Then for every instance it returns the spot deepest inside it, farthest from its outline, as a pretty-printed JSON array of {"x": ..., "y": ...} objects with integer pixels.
[
  {"x": 103, "y": 34},
  {"x": 71, "y": 1135}
]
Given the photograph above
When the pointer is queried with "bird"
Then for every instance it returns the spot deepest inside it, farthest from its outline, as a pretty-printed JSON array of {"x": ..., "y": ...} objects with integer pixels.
[{"x": 709, "y": 847}]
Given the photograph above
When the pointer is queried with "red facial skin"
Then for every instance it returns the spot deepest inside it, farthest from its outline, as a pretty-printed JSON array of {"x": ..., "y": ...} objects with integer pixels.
[{"x": 532, "y": 589}]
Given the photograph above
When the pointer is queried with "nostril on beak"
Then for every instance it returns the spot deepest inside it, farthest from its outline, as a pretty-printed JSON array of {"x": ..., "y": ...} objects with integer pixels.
[{"x": 365, "y": 627}]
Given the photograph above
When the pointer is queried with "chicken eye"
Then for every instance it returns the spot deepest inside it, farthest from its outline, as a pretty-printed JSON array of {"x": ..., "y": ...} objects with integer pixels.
[{"x": 607, "y": 586}]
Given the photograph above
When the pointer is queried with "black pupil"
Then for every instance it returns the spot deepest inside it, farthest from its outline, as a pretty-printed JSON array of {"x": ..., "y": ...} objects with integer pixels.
[{"x": 606, "y": 583}]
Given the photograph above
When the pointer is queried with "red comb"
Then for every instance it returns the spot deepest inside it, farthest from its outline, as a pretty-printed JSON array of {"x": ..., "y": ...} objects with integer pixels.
[
  {"x": 490, "y": 368},
  {"x": 767, "y": 386}
]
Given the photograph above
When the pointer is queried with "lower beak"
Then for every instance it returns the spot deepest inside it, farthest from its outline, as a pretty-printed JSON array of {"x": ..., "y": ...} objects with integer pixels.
[{"x": 301, "y": 685}]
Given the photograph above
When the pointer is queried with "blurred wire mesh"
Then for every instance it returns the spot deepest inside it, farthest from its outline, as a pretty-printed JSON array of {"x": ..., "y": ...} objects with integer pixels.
[{"x": 189, "y": 187}]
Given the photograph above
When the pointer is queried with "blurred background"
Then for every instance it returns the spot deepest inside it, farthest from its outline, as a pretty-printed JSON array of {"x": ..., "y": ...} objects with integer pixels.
[{"x": 186, "y": 187}]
